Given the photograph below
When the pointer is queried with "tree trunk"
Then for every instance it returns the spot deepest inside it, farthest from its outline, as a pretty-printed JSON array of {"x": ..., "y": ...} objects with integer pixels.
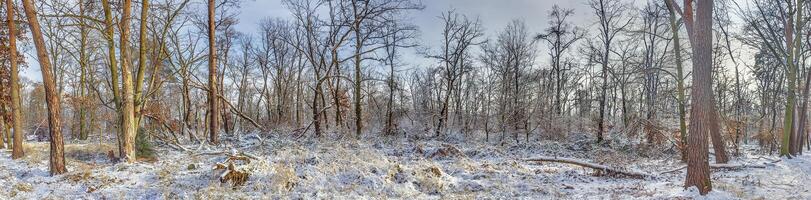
[
  {"x": 16, "y": 107},
  {"x": 601, "y": 120},
  {"x": 3, "y": 132},
  {"x": 702, "y": 109},
  {"x": 358, "y": 47},
  {"x": 83, "y": 62},
  {"x": 718, "y": 144},
  {"x": 213, "y": 111},
  {"x": 114, "y": 84},
  {"x": 804, "y": 113},
  {"x": 128, "y": 108},
  {"x": 139, "y": 76},
  {"x": 389, "y": 129},
  {"x": 793, "y": 45},
  {"x": 57, "y": 156}
]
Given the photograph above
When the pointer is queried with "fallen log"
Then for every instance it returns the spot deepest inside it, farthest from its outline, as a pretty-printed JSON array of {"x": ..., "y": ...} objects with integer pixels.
[
  {"x": 720, "y": 166},
  {"x": 605, "y": 170},
  {"x": 735, "y": 166}
]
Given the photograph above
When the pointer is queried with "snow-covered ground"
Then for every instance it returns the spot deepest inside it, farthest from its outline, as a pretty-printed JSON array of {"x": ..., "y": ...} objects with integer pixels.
[{"x": 390, "y": 168}]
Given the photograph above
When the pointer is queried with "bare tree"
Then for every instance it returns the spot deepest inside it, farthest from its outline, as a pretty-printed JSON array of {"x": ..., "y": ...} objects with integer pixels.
[
  {"x": 129, "y": 128},
  {"x": 16, "y": 107},
  {"x": 560, "y": 36},
  {"x": 680, "y": 96},
  {"x": 459, "y": 34},
  {"x": 213, "y": 111},
  {"x": 611, "y": 21},
  {"x": 699, "y": 30},
  {"x": 57, "y": 156}
]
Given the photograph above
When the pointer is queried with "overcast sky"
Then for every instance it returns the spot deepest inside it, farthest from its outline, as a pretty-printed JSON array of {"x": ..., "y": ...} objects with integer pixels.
[{"x": 494, "y": 15}]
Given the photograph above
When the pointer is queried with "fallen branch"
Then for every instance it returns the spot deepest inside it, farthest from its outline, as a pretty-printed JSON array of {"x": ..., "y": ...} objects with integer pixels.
[
  {"x": 735, "y": 166},
  {"x": 610, "y": 171},
  {"x": 233, "y": 109},
  {"x": 242, "y": 115},
  {"x": 165, "y": 126},
  {"x": 720, "y": 166}
]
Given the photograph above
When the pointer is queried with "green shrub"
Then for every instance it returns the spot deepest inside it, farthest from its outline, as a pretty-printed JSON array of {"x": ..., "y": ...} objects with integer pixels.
[{"x": 143, "y": 146}]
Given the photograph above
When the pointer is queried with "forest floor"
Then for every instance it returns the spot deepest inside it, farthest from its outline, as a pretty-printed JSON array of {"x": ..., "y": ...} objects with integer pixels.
[{"x": 399, "y": 168}]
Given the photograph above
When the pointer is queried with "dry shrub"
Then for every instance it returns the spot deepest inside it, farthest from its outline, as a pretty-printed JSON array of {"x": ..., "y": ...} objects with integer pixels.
[
  {"x": 446, "y": 151},
  {"x": 284, "y": 178},
  {"x": 429, "y": 180},
  {"x": 654, "y": 131},
  {"x": 734, "y": 131},
  {"x": 395, "y": 174},
  {"x": 676, "y": 135},
  {"x": 554, "y": 129},
  {"x": 767, "y": 138}
]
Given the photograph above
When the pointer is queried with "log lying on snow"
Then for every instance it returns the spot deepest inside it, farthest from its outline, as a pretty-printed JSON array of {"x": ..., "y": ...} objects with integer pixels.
[
  {"x": 720, "y": 166},
  {"x": 735, "y": 166},
  {"x": 606, "y": 170}
]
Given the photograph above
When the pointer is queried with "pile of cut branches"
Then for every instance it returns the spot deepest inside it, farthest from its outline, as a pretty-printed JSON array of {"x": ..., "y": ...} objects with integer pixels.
[{"x": 230, "y": 172}]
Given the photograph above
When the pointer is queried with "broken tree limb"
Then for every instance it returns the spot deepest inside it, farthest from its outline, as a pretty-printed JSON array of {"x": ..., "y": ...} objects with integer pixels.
[
  {"x": 233, "y": 109},
  {"x": 610, "y": 171},
  {"x": 242, "y": 115},
  {"x": 735, "y": 166},
  {"x": 720, "y": 166}
]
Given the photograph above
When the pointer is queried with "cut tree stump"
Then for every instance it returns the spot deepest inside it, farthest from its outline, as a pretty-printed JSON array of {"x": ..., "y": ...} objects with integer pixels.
[{"x": 604, "y": 170}]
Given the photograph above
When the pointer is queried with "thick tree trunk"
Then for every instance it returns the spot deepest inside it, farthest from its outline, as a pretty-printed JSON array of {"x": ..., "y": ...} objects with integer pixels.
[
  {"x": 128, "y": 105},
  {"x": 213, "y": 111},
  {"x": 16, "y": 106},
  {"x": 793, "y": 46},
  {"x": 803, "y": 114},
  {"x": 799, "y": 125},
  {"x": 57, "y": 156},
  {"x": 702, "y": 109}
]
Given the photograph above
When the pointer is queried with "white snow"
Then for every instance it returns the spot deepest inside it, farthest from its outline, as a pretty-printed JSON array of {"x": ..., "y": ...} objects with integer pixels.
[{"x": 330, "y": 168}]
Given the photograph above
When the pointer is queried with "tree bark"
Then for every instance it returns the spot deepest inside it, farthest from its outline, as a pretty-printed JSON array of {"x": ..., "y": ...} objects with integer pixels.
[
  {"x": 213, "y": 111},
  {"x": 83, "y": 62},
  {"x": 3, "y": 132},
  {"x": 57, "y": 156},
  {"x": 679, "y": 81},
  {"x": 793, "y": 46},
  {"x": 358, "y": 80},
  {"x": 138, "y": 100},
  {"x": 702, "y": 109},
  {"x": 16, "y": 107},
  {"x": 128, "y": 108},
  {"x": 114, "y": 83}
]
